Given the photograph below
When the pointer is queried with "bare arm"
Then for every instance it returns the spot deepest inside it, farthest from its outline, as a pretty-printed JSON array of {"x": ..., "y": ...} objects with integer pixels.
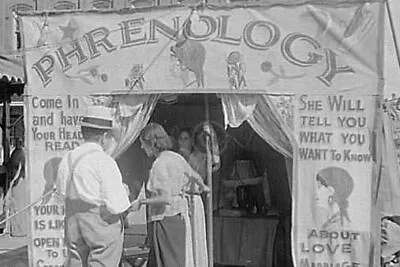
[
  {"x": 161, "y": 198},
  {"x": 196, "y": 178}
]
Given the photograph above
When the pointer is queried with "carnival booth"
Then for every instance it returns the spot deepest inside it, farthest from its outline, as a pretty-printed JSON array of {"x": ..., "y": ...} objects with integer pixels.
[{"x": 287, "y": 93}]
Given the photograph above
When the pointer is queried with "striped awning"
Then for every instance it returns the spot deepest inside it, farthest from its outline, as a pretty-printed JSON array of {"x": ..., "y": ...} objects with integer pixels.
[{"x": 11, "y": 69}]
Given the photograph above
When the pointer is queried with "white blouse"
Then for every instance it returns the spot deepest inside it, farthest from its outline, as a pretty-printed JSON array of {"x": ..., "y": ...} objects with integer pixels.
[{"x": 167, "y": 177}]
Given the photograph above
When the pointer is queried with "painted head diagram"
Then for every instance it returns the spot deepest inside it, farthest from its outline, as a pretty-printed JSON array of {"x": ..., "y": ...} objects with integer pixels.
[
  {"x": 188, "y": 57},
  {"x": 334, "y": 186}
]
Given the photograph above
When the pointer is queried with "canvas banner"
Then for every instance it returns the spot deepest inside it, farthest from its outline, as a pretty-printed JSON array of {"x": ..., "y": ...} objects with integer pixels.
[
  {"x": 333, "y": 189},
  {"x": 51, "y": 123},
  {"x": 72, "y": 59},
  {"x": 335, "y": 174},
  {"x": 212, "y": 50}
]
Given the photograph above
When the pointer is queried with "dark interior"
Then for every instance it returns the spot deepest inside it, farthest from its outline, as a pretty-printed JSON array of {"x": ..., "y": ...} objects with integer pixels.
[{"x": 242, "y": 236}]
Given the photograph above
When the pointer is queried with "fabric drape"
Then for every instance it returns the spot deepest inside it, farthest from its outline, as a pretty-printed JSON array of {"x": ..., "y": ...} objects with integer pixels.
[
  {"x": 389, "y": 193},
  {"x": 289, "y": 171},
  {"x": 260, "y": 113},
  {"x": 132, "y": 114}
]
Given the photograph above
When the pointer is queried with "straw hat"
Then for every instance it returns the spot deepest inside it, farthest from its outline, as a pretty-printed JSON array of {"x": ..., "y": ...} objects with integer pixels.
[{"x": 99, "y": 117}]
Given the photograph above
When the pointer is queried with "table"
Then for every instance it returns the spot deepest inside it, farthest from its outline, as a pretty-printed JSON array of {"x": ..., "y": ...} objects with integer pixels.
[{"x": 245, "y": 241}]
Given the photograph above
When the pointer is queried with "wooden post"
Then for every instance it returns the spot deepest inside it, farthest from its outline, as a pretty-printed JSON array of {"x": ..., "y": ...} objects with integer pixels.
[
  {"x": 6, "y": 136},
  {"x": 209, "y": 206}
]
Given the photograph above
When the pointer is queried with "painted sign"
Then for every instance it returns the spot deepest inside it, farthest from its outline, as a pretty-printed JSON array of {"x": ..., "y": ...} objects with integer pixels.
[
  {"x": 334, "y": 169},
  {"x": 52, "y": 130},
  {"x": 218, "y": 50}
]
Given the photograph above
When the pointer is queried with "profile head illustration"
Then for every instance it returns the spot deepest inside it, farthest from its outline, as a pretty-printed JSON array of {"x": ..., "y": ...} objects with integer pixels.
[
  {"x": 334, "y": 186},
  {"x": 190, "y": 56},
  {"x": 50, "y": 170}
]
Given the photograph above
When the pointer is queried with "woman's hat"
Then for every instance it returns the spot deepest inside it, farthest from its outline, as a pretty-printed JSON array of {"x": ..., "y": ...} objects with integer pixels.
[{"x": 99, "y": 117}]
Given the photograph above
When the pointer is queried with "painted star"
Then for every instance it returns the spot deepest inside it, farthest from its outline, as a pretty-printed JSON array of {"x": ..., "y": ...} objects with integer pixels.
[{"x": 68, "y": 31}]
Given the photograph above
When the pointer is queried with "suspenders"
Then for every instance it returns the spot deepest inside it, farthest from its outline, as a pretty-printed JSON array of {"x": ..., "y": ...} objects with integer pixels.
[
  {"x": 71, "y": 181},
  {"x": 75, "y": 204}
]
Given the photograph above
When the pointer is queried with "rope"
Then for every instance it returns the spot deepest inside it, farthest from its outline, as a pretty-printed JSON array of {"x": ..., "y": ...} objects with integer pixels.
[
  {"x": 157, "y": 56},
  {"x": 28, "y": 206},
  {"x": 393, "y": 30}
]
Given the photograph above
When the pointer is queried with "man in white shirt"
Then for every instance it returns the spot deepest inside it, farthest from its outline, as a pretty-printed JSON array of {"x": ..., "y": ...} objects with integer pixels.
[{"x": 95, "y": 196}]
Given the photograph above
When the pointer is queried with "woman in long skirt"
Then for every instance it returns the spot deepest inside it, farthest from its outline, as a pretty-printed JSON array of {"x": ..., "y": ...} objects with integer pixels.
[
  {"x": 169, "y": 177},
  {"x": 196, "y": 206}
]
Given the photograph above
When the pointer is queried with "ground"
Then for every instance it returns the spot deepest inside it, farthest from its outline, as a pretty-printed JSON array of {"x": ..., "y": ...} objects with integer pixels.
[{"x": 14, "y": 250}]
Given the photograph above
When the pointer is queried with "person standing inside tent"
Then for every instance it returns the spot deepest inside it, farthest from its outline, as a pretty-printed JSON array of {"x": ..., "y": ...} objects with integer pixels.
[
  {"x": 95, "y": 197},
  {"x": 170, "y": 240},
  {"x": 185, "y": 144},
  {"x": 196, "y": 206},
  {"x": 198, "y": 158}
]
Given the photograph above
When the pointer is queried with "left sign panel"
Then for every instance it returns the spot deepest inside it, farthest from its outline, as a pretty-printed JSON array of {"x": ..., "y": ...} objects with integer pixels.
[{"x": 52, "y": 129}]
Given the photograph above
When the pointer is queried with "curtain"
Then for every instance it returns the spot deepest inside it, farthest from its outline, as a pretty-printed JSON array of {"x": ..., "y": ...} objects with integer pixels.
[
  {"x": 276, "y": 131},
  {"x": 132, "y": 114},
  {"x": 389, "y": 192},
  {"x": 272, "y": 121},
  {"x": 289, "y": 171},
  {"x": 267, "y": 123},
  {"x": 237, "y": 108},
  {"x": 260, "y": 113}
]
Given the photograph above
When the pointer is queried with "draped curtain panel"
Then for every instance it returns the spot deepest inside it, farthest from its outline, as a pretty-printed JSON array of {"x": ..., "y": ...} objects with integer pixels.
[
  {"x": 133, "y": 112},
  {"x": 268, "y": 124},
  {"x": 389, "y": 193},
  {"x": 271, "y": 123},
  {"x": 260, "y": 113}
]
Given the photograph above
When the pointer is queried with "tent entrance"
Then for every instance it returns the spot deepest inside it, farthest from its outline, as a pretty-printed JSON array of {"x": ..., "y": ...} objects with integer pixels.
[{"x": 251, "y": 201}]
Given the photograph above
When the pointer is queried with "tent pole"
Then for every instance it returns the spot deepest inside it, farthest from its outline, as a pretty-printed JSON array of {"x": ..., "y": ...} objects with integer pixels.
[
  {"x": 209, "y": 209},
  {"x": 6, "y": 137},
  {"x": 393, "y": 30}
]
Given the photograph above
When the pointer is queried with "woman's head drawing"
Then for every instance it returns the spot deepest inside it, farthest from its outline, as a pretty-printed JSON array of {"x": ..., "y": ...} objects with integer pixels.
[{"x": 339, "y": 184}]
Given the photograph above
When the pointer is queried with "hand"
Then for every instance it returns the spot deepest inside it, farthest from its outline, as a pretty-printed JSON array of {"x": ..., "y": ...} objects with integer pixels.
[
  {"x": 135, "y": 205},
  {"x": 205, "y": 189},
  {"x": 196, "y": 179},
  {"x": 191, "y": 178},
  {"x": 142, "y": 202},
  {"x": 216, "y": 166}
]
